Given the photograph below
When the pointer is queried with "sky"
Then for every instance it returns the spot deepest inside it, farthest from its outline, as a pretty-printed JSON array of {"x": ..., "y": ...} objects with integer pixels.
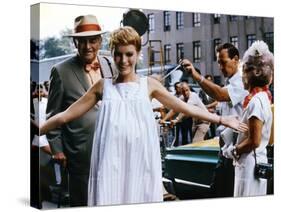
[{"x": 57, "y": 17}]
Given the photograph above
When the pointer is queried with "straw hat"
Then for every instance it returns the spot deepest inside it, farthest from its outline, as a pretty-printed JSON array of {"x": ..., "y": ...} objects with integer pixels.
[{"x": 85, "y": 26}]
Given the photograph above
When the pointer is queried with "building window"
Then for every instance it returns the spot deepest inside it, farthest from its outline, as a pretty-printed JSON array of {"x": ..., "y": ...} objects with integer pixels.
[
  {"x": 217, "y": 18},
  {"x": 151, "y": 22},
  {"x": 180, "y": 51},
  {"x": 179, "y": 19},
  {"x": 268, "y": 38},
  {"x": 249, "y": 17},
  {"x": 217, "y": 42},
  {"x": 250, "y": 39},
  {"x": 196, "y": 51},
  {"x": 196, "y": 19},
  {"x": 167, "y": 51},
  {"x": 233, "y": 18},
  {"x": 167, "y": 21},
  {"x": 234, "y": 41}
]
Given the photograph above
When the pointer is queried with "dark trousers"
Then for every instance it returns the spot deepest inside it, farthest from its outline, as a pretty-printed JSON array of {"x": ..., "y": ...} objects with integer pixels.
[
  {"x": 35, "y": 194},
  {"x": 223, "y": 179},
  {"x": 185, "y": 128},
  {"x": 78, "y": 189}
]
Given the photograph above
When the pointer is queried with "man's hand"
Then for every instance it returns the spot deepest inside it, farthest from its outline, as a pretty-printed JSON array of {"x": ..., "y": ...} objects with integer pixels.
[
  {"x": 161, "y": 121},
  {"x": 173, "y": 122},
  {"x": 188, "y": 66},
  {"x": 60, "y": 157}
]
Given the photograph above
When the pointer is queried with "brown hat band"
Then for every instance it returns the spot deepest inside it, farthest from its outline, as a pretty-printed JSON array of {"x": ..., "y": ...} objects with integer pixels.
[{"x": 88, "y": 27}]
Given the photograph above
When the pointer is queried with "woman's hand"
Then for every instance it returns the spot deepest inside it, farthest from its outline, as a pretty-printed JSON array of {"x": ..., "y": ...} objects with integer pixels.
[
  {"x": 227, "y": 151},
  {"x": 234, "y": 123}
]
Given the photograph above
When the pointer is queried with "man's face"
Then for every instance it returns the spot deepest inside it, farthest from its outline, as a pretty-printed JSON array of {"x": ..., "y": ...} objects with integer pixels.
[
  {"x": 178, "y": 88},
  {"x": 88, "y": 48},
  {"x": 185, "y": 90},
  {"x": 227, "y": 66}
]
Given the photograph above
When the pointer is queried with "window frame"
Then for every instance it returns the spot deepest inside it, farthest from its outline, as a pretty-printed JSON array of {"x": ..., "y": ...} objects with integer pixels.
[
  {"x": 167, "y": 21},
  {"x": 196, "y": 47},
  {"x": 196, "y": 19}
]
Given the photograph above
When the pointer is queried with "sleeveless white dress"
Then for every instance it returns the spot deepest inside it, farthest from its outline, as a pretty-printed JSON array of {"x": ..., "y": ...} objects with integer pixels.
[{"x": 125, "y": 161}]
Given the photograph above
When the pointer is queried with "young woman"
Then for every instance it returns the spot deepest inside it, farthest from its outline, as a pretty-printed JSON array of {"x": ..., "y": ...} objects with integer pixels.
[
  {"x": 257, "y": 74},
  {"x": 125, "y": 163}
]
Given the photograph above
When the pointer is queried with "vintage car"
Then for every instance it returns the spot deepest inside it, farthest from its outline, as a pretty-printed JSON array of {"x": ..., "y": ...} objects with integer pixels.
[{"x": 189, "y": 169}]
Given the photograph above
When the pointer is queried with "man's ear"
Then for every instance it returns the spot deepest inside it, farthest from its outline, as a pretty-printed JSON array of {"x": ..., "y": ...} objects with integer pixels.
[{"x": 236, "y": 58}]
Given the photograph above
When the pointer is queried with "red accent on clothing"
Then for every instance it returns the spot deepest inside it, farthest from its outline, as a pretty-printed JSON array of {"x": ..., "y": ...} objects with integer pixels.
[
  {"x": 92, "y": 67},
  {"x": 88, "y": 27},
  {"x": 254, "y": 91}
]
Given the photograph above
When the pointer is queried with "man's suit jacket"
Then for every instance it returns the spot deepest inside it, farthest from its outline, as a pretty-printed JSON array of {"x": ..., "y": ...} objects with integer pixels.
[{"x": 68, "y": 83}]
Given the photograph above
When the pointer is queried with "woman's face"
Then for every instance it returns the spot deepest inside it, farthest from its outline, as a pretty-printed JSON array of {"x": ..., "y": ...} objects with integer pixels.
[
  {"x": 125, "y": 58},
  {"x": 245, "y": 78}
]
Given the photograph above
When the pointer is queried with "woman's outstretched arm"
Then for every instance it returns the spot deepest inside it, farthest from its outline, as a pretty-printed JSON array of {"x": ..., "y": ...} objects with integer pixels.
[
  {"x": 168, "y": 100},
  {"x": 76, "y": 110}
]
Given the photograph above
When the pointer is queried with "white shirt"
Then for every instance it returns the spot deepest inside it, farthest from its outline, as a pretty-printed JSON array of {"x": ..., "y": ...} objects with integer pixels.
[
  {"x": 39, "y": 118},
  {"x": 259, "y": 107},
  {"x": 195, "y": 100},
  {"x": 237, "y": 94}
]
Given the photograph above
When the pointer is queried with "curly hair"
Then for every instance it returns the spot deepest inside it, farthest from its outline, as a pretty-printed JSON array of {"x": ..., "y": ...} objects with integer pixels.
[
  {"x": 125, "y": 36},
  {"x": 258, "y": 64}
]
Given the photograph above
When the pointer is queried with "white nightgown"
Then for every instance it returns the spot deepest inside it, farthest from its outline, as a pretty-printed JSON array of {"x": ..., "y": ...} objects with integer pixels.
[{"x": 125, "y": 161}]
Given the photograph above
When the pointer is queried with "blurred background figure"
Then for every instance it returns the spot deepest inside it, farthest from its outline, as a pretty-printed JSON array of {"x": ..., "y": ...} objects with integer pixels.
[
  {"x": 210, "y": 104},
  {"x": 39, "y": 101},
  {"x": 188, "y": 128}
]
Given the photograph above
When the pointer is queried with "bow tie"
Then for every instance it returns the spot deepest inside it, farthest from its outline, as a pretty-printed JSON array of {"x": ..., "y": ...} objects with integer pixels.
[{"x": 92, "y": 67}]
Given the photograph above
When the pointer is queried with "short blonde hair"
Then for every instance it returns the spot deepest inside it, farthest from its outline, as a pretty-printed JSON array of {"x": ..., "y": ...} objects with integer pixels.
[{"x": 125, "y": 36}]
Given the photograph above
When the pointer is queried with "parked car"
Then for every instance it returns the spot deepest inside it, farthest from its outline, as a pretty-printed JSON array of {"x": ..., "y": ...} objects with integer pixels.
[{"x": 189, "y": 169}]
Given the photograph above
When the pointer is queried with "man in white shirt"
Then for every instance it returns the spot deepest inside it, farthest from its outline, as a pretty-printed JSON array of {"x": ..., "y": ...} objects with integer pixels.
[
  {"x": 231, "y": 97},
  {"x": 191, "y": 128}
]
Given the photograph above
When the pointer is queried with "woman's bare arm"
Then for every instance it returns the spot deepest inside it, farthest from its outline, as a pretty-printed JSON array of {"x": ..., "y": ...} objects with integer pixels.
[
  {"x": 157, "y": 91},
  {"x": 76, "y": 110},
  {"x": 254, "y": 136}
]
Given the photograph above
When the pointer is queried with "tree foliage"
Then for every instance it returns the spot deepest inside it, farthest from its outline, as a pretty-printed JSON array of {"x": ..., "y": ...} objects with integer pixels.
[{"x": 58, "y": 46}]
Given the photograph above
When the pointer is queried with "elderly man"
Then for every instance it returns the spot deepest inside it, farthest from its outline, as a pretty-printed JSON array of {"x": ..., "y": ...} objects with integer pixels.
[
  {"x": 192, "y": 129},
  {"x": 69, "y": 80},
  {"x": 231, "y": 98}
]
